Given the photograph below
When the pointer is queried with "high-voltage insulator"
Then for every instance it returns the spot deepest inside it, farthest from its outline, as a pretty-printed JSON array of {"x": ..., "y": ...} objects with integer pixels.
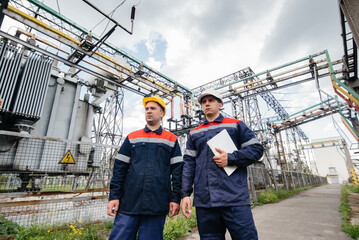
[{"x": 133, "y": 10}]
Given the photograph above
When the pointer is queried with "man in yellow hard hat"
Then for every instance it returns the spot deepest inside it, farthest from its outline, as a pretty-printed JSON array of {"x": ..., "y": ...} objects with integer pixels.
[{"x": 146, "y": 178}]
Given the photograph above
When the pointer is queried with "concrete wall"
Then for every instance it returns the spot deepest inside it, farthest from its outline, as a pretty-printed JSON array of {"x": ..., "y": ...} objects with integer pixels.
[{"x": 331, "y": 155}]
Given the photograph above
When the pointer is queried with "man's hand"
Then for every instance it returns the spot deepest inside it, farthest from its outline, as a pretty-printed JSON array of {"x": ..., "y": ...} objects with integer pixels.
[
  {"x": 222, "y": 159},
  {"x": 174, "y": 209},
  {"x": 186, "y": 207},
  {"x": 112, "y": 207}
]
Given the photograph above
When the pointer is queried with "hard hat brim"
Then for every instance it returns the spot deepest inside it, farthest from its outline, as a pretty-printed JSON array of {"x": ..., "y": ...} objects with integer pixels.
[
  {"x": 155, "y": 99},
  {"x": 210, "y": 92}
]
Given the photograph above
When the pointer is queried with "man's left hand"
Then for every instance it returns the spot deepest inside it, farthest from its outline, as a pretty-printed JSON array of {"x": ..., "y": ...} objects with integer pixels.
[
  {"x": 222, "y": 159},
  {"x": 174, "y": 209}
]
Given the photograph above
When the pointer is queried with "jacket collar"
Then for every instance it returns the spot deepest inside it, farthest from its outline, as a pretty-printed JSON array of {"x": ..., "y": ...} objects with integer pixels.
[
  {"x": 158, "y": 130},
  {"x": 219, "y": 119}
]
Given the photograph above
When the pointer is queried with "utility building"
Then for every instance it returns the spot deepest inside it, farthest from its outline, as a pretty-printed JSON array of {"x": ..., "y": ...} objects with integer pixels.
[{"x": 332, "y": 159}]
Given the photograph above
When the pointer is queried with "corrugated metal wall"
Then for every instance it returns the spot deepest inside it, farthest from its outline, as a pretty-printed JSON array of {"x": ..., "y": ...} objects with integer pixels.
[
  {"x": 30, "y": 97},
  {"x": 23, "y": 80},
  {"x": 10, "y": 65}
]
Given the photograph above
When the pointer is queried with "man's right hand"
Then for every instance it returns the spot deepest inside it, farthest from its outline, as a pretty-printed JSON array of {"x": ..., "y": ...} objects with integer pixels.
[
  {"x": 186, "y": 207},
  {"x": 112, "y": 207}
]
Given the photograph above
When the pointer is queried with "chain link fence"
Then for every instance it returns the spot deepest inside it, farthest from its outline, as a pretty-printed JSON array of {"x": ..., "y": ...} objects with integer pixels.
[
  {"x": 53, "y": 181},
  {"x": 260, "y": 178},
  {"x": 46, "y": 181}
]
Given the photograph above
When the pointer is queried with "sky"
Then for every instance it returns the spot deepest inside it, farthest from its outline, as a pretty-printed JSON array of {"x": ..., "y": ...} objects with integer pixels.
[{"x": 198, "y": 41}]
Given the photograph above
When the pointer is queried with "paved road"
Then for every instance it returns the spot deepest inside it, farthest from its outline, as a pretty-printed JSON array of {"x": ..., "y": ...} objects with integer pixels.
[{"x": 310, "y": 215}]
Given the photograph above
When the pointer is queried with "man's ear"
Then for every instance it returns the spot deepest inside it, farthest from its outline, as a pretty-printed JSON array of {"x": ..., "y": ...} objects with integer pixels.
[{"x": 221, "y": 105}]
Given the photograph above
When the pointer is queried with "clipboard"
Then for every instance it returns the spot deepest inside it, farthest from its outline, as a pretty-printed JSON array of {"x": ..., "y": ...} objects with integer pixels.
[{"x": 223, "y": 141}]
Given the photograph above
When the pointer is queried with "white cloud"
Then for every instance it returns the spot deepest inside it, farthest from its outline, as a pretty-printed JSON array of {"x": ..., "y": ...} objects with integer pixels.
[
  {"x": 153, "y": 63},
  {"x": 134, "y": 114},
  {"x": 209, "y": 39}
]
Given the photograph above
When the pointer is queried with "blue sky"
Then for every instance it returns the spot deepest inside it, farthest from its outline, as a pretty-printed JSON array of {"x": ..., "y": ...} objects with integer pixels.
[
  {"x": 195, "y": 42},
  {"x": 151, "y": 50}
]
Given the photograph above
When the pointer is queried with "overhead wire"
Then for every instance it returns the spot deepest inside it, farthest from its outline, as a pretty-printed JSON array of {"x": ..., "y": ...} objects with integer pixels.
[
  {"x": 137, "y": 3},
  {"x": 110, "y": 14},
  {"x": 58, "y": 6},
  {"x": 286, "y": 93},
  {"x": 128, "y": 108}
]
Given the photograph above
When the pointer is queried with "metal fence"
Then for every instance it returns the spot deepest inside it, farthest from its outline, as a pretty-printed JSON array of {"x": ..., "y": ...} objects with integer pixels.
[
  {"x": 260, "y": 178},
  {"x": 46, "y": 181},
  {"x": 53, "y": 181}
]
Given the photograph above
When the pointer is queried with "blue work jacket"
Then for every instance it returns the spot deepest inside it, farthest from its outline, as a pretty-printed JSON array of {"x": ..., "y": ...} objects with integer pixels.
[
  {"x": 147, "y": 173},
  {"x": 212, "y": 186}
]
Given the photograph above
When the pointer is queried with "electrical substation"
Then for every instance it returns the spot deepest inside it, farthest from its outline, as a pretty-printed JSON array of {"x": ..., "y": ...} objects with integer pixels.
[{"x": 60, "y": 131}]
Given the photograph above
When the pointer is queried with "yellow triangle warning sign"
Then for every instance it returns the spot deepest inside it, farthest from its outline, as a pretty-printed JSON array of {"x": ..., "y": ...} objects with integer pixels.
[{"x": 67, "y": 159}]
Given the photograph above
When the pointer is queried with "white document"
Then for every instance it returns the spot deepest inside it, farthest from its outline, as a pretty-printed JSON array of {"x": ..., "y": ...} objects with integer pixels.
[{"x": 223, "y": 141}]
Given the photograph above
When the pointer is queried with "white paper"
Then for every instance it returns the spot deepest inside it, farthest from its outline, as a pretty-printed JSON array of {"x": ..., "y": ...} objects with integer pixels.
[{"x": 223, "y": 141}]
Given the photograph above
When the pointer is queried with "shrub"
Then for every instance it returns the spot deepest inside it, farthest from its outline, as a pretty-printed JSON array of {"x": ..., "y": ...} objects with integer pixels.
[
  {"x": 7, "y": 227},
  {"x": 283, "y": 193},
  {"x": 179, "y": 226},
  {"x": 268, "y": 197},
  {"x": 345, "y": 209},
  {"x": 353, "y": 188}
]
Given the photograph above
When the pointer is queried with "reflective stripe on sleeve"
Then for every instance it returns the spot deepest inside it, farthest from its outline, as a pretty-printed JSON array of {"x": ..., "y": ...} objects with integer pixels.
[
  {"x": 123, "y": 158},
  {"x": 191, "y": 153},
  {"x": 250, "y": 142},
  {"x": 176, "y": 159}
]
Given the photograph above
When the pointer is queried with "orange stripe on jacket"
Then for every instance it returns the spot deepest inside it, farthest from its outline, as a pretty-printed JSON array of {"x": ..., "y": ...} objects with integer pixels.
[
  {"x": 225, "y": 120},
  {"x": 142, "y": 134}
]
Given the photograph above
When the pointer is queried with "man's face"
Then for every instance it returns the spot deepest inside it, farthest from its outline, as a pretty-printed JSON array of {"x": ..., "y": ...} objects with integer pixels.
[
  {"x": 210, "y": 105},
  {"x": 153, "y": 113}
]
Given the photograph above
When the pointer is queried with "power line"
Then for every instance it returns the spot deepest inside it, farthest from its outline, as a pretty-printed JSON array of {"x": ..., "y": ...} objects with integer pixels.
[{"x": 110, "y": 14}]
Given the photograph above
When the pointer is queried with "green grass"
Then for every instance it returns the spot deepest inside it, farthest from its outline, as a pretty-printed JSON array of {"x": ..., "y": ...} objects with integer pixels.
[
  {"x": 352, "y": 188},
  {"x": 272, "y": 196},
  {"x": 179, "y": 226},
  {"x": 7, "y": 227},
  {"x": 269, "y": 196},
  {"x": 72, "y": 231},
  {"x": 345, "y": 209},
  {"x": 175, "y": 227}
]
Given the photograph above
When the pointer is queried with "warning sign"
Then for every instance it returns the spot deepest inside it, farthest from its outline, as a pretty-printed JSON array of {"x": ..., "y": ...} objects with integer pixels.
[
  {"x": 354, "y": 177},
  {"x": 67, "y": 159}
]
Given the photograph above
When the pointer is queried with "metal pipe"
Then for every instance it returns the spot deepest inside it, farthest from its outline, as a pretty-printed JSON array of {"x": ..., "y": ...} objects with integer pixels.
[
  {"x": 273, "y": 69},
  {"x": 54, "y": 56},
  {"x": 89, "y": 120},
  {"x": 332, "y": 74},
  {"x": 74, "y": 112},
  {"x": 85, "y": 31},
  {"x": 60, "y": 81}
]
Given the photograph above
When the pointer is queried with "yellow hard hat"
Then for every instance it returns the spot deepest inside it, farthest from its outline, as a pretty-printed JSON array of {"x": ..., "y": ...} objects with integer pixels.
[{"x": 156, "y": 99}]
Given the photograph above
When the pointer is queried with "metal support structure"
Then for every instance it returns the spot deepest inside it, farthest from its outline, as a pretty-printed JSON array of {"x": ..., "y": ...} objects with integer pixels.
[
  {"x": 137, "y": 76},
  {"x": 349, "y": 12},
  {"x": 108, "y": 130},
  {"x": 116, "y": 71},
  {"x": 282, "y": 160},
  {"x": 110, "y": 120},
  {"x": 245, "y": 105},
  {"x": 3, "y": 5}
]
